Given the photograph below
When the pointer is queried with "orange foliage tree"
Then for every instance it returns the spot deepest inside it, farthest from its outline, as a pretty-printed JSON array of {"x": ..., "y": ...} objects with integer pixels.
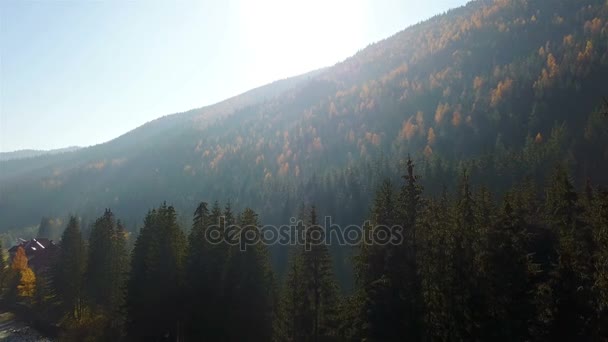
[{"x": 24, "y": 277}]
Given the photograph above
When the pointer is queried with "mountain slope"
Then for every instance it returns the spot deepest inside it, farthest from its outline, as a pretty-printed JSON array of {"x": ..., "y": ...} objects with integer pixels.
[
  {"x": 506, "y": 88},
  {"x": 21, "y": 154}
]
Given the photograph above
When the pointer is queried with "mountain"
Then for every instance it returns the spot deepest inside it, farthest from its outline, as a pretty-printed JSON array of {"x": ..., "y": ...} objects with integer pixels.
[
  {"x": 504, "y": 88},
  {"x": 21, "y": 154}
]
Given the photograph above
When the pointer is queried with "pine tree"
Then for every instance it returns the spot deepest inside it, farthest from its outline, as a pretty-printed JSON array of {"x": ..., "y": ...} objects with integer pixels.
[
  {"x": 49, "y": 228},
  {"x": 155, "y": 298},
  {"x": 249, "y": 284},
  {"x": 436, "y": 267},
  {"x": 44, "y": 229},
  {"x": 573, "y": 278},
  {"x": 507, "y": 268},
  {"x": 310, "y": 298},
  {"x": 196, "y": 275},
  {"x": 403, "y": 262},
  {"x": 68, "y": 270},
  {"x": 466, "y": 304},
  {"x": 98, "y": 275},
  {"x": 119, "y": 273},
  {"x": 290, "y": 325},
  {"x": 206, "y": 264},
  {"x": 106, "y": 273},
  {"x": 321, "y": 289},
  {"x": 379, "y": 298}
]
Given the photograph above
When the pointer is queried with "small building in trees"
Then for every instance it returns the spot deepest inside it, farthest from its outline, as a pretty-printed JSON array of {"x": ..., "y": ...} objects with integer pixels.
[{"x": 39, "y": 252}]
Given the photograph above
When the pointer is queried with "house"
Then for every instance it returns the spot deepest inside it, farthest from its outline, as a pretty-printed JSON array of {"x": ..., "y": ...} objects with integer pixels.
[{"x": 40, "y": 252}]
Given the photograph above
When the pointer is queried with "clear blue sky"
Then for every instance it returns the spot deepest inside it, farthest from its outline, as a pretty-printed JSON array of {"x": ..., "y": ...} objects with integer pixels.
[{"x": 84, "y": 72}]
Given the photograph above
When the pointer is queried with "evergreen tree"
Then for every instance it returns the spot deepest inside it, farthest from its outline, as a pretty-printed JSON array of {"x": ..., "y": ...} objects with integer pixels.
[
  {"x": 321, "y": 291},
  {"x": 507, "y": 266},
  {"x": 436, "y": 267},
  {"x": 119, "y": 274},
  {"x": 106, "y": 272},
  {"x": 310, "y": 299},
  {"x": 68, "y": 270},
  {"x": 573, "y": 278},
  {"x": 206, "y": 264},
  {"x": 45, "y": 228},
  {"x": 379, "y": 298},
  {"x": 249, "y": 284},
  {"x": 403, "y": 260},
  {"x": 465, "y": 302},
  {"x": 290, "y": 324},
  {"x": 155, "y": 298},
  {"x": 98, "y": 275}
]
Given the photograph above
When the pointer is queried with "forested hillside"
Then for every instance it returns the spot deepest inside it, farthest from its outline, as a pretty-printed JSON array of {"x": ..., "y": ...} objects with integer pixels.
[
  {"x": 509, "y": 87},
  {"x": 34, "y": 153},
  {"x": 482, "y": 132},
  {"x": 462, "y": 267}
]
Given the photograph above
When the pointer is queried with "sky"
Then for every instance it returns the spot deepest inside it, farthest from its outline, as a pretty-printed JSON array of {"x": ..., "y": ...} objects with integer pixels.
[{"x": 80, "y": 73}]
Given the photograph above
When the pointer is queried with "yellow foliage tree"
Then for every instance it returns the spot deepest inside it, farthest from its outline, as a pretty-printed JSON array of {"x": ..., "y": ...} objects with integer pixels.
[
  {"x": 503, "y": 89},
  {"x": 27, "y": 283},
  {"x": 19, "y": 260},
  {"x": 24, "y": 276}
]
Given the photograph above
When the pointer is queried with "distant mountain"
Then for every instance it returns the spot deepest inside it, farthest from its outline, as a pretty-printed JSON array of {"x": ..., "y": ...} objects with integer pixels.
[
  {"x": 21, "y": 154},
  {"x": 504, "y": 89}
]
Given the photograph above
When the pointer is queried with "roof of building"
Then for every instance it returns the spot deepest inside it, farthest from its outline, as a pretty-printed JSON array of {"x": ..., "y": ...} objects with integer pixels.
[{"x": 34, "y": 245}]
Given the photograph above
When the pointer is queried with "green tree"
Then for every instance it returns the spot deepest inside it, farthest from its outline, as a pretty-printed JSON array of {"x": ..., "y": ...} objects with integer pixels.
[
  {"x": 310, "y": 297},
  {"x": 379, "y": 293},
  {"x": 573, "y": 278},
  {"x": 155, "y": 299},
  {"x": 290, "y": 324},
  {"x": 403, "y": 262},
  {"x": 106, "y": 272},
  {"x": 206, "y": 264},
  {"x": 249, "y": 284},
  {"x": 68, "y": 270}
]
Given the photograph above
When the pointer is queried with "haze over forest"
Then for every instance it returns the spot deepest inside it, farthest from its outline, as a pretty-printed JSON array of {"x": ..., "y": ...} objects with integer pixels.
[{"x": 482, "y": 131}]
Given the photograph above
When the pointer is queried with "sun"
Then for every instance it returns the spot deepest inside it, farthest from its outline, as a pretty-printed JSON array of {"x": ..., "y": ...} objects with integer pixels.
[{"x": 298, "y": 36}]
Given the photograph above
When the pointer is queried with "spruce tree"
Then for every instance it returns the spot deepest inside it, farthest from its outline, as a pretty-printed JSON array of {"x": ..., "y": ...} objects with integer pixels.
[
  {"x": 465, "y": 279},
  {"x": 375, "y": 276},
  {"x": 290, "y": 324},
  {"x": 68, "y": 270},
  {"x": 206, "y": 264},
  {"x": 196, "y": 275},
  {"x": 310, "y": 297},
  {"x": 507, "y": 269},
  {"x": 249, "y": 284},
  {"x": 106, "y": 273},
  {"x": 98, "y": 275},
  {"x": 155, "y": 288},
  {"x": 436, "y": 267},
  {"x": 573, "y": 278},
  {"x": 44, "y": 229},
  {"x": 321, "y": 290},
  {"x": 403, "y": 262}
]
